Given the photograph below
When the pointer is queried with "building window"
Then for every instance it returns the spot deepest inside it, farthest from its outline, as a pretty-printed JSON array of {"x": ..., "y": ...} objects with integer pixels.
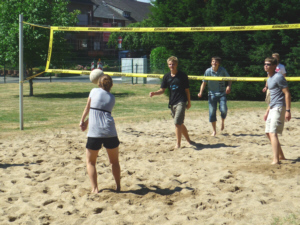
[
  {"x": 126, "y": 14},
  {"x": 83, "y": 20},
  {"x": 82, "y": 44},
  {"x": 96, "y": 45}
]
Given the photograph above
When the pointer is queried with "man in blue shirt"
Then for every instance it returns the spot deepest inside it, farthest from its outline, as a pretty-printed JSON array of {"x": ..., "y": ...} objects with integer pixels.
[
  {"x": 279, "y": 109},
  {"x": 216, "y": 92}
]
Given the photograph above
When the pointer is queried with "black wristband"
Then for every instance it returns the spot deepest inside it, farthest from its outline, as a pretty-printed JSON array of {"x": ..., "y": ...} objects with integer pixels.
[{"x": 288, "y": 110}]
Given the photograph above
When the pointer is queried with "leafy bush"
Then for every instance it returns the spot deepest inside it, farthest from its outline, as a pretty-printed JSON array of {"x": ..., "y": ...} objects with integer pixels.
[{"x": 158, "y": 60}]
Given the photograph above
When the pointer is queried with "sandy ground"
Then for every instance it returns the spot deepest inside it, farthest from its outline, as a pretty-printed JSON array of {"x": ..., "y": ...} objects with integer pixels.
[{"x": 227, "y": 179}]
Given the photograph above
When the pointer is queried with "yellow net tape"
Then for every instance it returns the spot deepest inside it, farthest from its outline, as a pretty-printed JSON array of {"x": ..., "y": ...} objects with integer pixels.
[
  {"x": 191, "y": 77},
  {"x": 49, "y": 49},
  {"x": 162, "y": 29},
  {"x": 179, "y": 29},
  {"x": 31, "y": 77},
  {"x": 36, "y": 25}
]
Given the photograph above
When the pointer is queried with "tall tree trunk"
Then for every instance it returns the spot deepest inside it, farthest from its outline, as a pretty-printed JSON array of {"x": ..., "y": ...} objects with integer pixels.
[
  {"x": 31, "y": 87},
  {"x": 30, "y": 72}
]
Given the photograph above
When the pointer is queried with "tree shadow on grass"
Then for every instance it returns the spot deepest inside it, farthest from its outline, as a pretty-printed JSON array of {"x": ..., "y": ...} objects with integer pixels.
[{"x": 73, "y": 95}]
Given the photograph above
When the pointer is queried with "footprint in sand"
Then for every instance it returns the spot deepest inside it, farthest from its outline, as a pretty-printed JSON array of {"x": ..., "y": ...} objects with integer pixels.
[
  {"x": 45, "y": 219},
  {"x": 48, "y": 202},
  {"x": 98, "y": 210}
]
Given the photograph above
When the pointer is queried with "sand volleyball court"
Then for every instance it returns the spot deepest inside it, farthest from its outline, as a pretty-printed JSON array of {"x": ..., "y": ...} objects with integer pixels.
[{"x": 225, "y": 179}]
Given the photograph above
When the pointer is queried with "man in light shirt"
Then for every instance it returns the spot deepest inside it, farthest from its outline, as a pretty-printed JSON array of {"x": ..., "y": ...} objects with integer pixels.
[
  {"x": 216, "y": 92},
  {"x": 279, "y": 109},
  {"x": 279, "y": 69}
]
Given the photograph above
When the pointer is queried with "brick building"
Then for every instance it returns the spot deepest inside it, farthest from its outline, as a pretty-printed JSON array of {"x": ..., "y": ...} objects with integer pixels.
[{"x": 104, "y": 13}]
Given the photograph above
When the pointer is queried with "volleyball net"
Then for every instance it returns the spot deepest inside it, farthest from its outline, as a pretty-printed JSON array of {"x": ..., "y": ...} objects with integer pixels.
[{"x": 90, "y": 31}]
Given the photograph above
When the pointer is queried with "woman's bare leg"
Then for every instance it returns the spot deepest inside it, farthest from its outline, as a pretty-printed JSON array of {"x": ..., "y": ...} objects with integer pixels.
[
  {"x": 91, "y": 158},
  {"x": 113, "y": 155}
]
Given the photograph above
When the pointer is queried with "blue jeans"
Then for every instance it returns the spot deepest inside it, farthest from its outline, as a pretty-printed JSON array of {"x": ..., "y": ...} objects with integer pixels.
[{"x": 213, "y": 103}]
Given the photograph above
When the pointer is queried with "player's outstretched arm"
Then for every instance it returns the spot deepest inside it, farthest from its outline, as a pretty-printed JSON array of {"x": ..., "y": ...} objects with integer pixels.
[
  {"x": 202, "y": 87},
  {"x": 159, "y": 92}
]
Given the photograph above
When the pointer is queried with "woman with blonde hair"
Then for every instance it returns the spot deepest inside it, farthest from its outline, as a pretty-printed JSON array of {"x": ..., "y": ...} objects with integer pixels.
[{"x": 101, "y": 130}]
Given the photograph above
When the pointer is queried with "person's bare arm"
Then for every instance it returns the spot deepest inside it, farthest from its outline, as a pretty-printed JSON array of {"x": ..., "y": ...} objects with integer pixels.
[
  {"x": 202, "y": 87},
  {"x": 159, "y": 92},
  {"x": 287, "y": 95},
  {"x": 84, "y": 123},
  {"x": 267, "y": 113},
  {"x": 266, "y": 85},
  {"x": 228, "y": 89},
  {"x": 188, "y": 95}
]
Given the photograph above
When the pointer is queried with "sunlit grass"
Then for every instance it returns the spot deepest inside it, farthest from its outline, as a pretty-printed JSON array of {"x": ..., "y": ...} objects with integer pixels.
[
  {"x": 57, "y": 105},
  {"x": 291, "y": 219}
]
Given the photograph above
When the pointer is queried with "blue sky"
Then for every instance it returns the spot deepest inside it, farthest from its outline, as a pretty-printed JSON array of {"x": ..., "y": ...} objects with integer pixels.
[{"x": 144, "y": 1}]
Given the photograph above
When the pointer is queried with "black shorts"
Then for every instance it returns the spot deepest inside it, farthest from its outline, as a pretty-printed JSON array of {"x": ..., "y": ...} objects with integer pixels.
[{"x": 96, "y": 143}]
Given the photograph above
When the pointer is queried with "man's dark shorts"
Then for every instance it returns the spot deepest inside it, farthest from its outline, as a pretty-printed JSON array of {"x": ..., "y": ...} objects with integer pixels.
[{"x": 96, "y": 143}]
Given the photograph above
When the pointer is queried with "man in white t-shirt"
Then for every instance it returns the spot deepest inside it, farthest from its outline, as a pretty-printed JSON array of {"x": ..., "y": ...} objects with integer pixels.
[{"x": 279, "y": 69}]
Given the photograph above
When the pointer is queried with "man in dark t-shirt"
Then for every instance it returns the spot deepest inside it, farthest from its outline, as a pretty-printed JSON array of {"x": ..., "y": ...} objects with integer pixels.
[{"x": 179, "y": 100}]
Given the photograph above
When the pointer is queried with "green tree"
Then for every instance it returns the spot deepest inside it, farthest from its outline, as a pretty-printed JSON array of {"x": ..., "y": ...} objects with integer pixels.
[
  {"x": 36, "y": 40},
  {"x": 243, "y": 53},
  {"x": 134, "y": 41},
  {"x": 158, "y": 62}
]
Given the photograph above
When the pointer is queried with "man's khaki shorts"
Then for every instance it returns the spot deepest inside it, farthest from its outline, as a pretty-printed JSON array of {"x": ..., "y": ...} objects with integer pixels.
[
  {"x": 178, "y": 112},
  {"x": 275, "y": 120}
]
